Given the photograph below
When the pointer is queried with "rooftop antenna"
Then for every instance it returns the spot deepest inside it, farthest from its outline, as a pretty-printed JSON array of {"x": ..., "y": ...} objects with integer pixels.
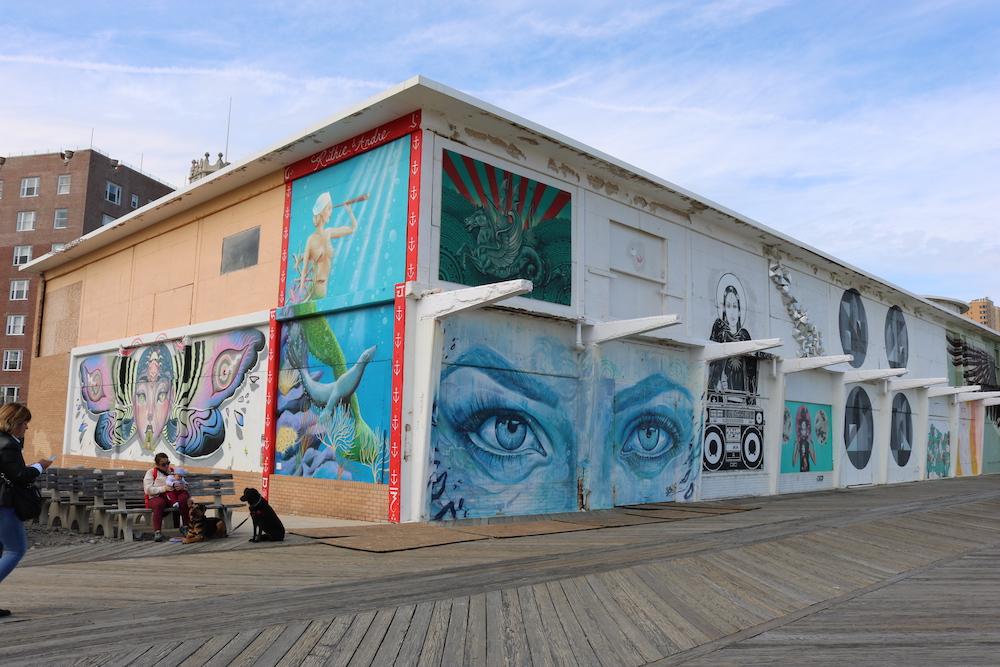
[{"x": 229, "y": 121}]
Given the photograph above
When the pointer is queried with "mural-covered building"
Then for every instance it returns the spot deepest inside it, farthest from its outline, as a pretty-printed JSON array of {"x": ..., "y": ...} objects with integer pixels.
[{"x": 426, "y": 308}]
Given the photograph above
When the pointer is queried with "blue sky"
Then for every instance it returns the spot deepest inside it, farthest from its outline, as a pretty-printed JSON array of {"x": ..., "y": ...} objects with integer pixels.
[{"x": 870, "y": 130}]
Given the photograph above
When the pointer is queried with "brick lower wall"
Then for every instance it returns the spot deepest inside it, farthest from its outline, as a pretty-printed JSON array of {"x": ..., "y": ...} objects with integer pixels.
[{"x": 48, "y": 407}]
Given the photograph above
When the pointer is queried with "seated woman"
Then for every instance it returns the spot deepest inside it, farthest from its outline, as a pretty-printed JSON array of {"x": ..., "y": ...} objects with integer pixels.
[{"x": 154, "y": 485}]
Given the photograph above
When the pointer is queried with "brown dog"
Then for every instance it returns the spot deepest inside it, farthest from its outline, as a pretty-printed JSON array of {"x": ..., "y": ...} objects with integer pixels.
[{"x": 203, "y": 527}]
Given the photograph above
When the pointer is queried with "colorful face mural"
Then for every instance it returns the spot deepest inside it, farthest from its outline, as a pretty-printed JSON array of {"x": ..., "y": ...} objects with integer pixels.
[
  {"x": 496, "y": 226},
  {"x": 346, "y": 235},
  {"x": 807, "y": 443},
  {"x": 734, "y": 426},
  {"x": 190, "y": 396},
  {"x": 513, "y": 423},
  {"x": 938, "y": 448},
  {"x": 333, "y": 392}
]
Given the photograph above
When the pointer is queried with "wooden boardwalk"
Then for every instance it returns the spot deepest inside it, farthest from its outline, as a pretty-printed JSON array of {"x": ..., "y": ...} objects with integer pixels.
[{"x": 904, "y": 574}]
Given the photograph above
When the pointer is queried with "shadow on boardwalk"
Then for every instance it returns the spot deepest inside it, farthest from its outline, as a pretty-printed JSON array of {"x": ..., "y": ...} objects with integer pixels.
[{"x": 906, "y": 573}]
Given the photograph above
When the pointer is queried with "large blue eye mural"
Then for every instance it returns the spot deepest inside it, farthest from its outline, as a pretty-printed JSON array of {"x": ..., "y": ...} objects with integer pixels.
[{"x": 654, "y": 425}]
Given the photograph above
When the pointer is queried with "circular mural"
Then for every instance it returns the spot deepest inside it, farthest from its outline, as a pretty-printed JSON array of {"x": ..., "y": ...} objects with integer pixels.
[
  {"x": 858, "y": 428},
  {"x": 853, "y": 326},
  {"x": 897, "y": 341},
  {"x": 901, "y": 435}
]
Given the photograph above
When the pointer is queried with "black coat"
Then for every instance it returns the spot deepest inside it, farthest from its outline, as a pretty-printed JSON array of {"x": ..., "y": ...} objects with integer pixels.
[{"x": 13, "y": 467}]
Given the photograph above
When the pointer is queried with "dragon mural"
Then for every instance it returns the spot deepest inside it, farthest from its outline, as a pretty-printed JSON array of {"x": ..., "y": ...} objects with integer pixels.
[{"x": 496, "y": 226}]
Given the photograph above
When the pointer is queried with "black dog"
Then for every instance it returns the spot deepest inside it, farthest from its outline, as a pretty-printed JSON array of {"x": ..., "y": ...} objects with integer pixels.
[{"x": 267, "y": 527}]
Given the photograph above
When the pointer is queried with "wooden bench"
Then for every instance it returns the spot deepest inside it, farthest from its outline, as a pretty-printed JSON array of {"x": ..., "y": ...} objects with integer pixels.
[
  {"x": 123, "y": 505},
  {"x": 67, "y": 495}
]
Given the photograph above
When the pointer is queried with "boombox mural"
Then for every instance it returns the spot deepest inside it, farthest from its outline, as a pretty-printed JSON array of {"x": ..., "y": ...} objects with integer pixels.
[
  {"x": 198, "y": 398},
  {"x": 734, "y": 422}
]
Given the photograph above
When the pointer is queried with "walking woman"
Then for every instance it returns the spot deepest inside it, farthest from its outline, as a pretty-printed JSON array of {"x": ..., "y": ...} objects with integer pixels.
[{"x": 14, "y": 418}]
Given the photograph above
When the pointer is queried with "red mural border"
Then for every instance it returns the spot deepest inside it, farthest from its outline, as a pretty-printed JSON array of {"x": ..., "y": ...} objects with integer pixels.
[
  {"x": 399, "y": 328},
  {"x": 267, "y": 449}
]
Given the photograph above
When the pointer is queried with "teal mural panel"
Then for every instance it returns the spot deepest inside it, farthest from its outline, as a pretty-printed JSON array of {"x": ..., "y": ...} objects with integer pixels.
[
  {"x": 807, "y": 444},
  {"x": 497, "y": 226},
  {"x": 938, "y": 448}
]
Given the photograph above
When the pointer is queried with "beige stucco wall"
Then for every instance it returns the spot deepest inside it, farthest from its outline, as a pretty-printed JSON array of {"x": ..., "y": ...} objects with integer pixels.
[
  {"x": 161, "y": 277},
  {"x": 168, "y": 275}
]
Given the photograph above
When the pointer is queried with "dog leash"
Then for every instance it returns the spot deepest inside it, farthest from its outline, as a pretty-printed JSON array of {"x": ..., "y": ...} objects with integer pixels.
[{"x": 241, "y": 523}]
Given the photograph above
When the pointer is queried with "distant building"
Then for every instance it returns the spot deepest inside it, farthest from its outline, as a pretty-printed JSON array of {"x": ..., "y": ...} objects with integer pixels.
[
  {"x": 47, "y": 201},
  {"x": 985, "y": 312}
]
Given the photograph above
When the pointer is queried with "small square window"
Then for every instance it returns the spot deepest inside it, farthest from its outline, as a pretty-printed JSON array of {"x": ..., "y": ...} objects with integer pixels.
[
  {"x": 63, "y": 187},
  {"x": 135, "y": 201},
  {"x": 12, "y": 360},
  {"x": 113, "y": 193},
  {"x": 26, "y": 221},
  {"x": 239, "y": 251},
  {"x": 59, "y": 221},
  {"x": 15, "y": 325},
  {"x": 22, "y": 254},
  {"x": 58, "y": 246},
  {"x": 107, "y": 219},
  {"x": 19, "y": 290},
  {"x": 29, "y": 186},
  {"x": 8, "y": 394}
]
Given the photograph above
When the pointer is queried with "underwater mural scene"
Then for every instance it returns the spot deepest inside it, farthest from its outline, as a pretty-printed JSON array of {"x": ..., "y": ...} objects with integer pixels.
[{"x": 334, "y": 383}]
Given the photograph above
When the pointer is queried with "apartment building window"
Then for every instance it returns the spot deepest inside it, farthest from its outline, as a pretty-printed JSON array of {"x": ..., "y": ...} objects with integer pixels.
[
  {"x": 58, "y": 246},
  {"x": 12, "y": 360},
  {"x": 113, "y": 193},
  {"x": 135, "y": 201},
  {"x": 29, "y": 186},
  {"x": 107, "y": 219},
  {"x": 22, "y": 254},
  {"x": 26, "y": 221},
  {"x": 62, "y": 188},
  {"x": 15, "y": 325},
  {"x": 1, "y": 189},
  {"x": 19, "y": 290},
  {"x": 59, "y": 222},
  {"x": 8, "y": 395}
]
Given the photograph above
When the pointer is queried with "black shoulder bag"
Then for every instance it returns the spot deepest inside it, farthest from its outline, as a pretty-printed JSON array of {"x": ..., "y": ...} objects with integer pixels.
[{"x": 26, "y": 500}]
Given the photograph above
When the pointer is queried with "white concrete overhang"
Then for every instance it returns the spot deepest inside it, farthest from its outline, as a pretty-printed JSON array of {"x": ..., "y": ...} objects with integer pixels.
[
  {"x": 420, "y": 93},
  {"x": 935, "y": 392}
]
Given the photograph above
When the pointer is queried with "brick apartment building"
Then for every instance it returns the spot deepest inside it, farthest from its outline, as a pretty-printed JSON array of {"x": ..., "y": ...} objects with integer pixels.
[{"x": 46, "y": 201}]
